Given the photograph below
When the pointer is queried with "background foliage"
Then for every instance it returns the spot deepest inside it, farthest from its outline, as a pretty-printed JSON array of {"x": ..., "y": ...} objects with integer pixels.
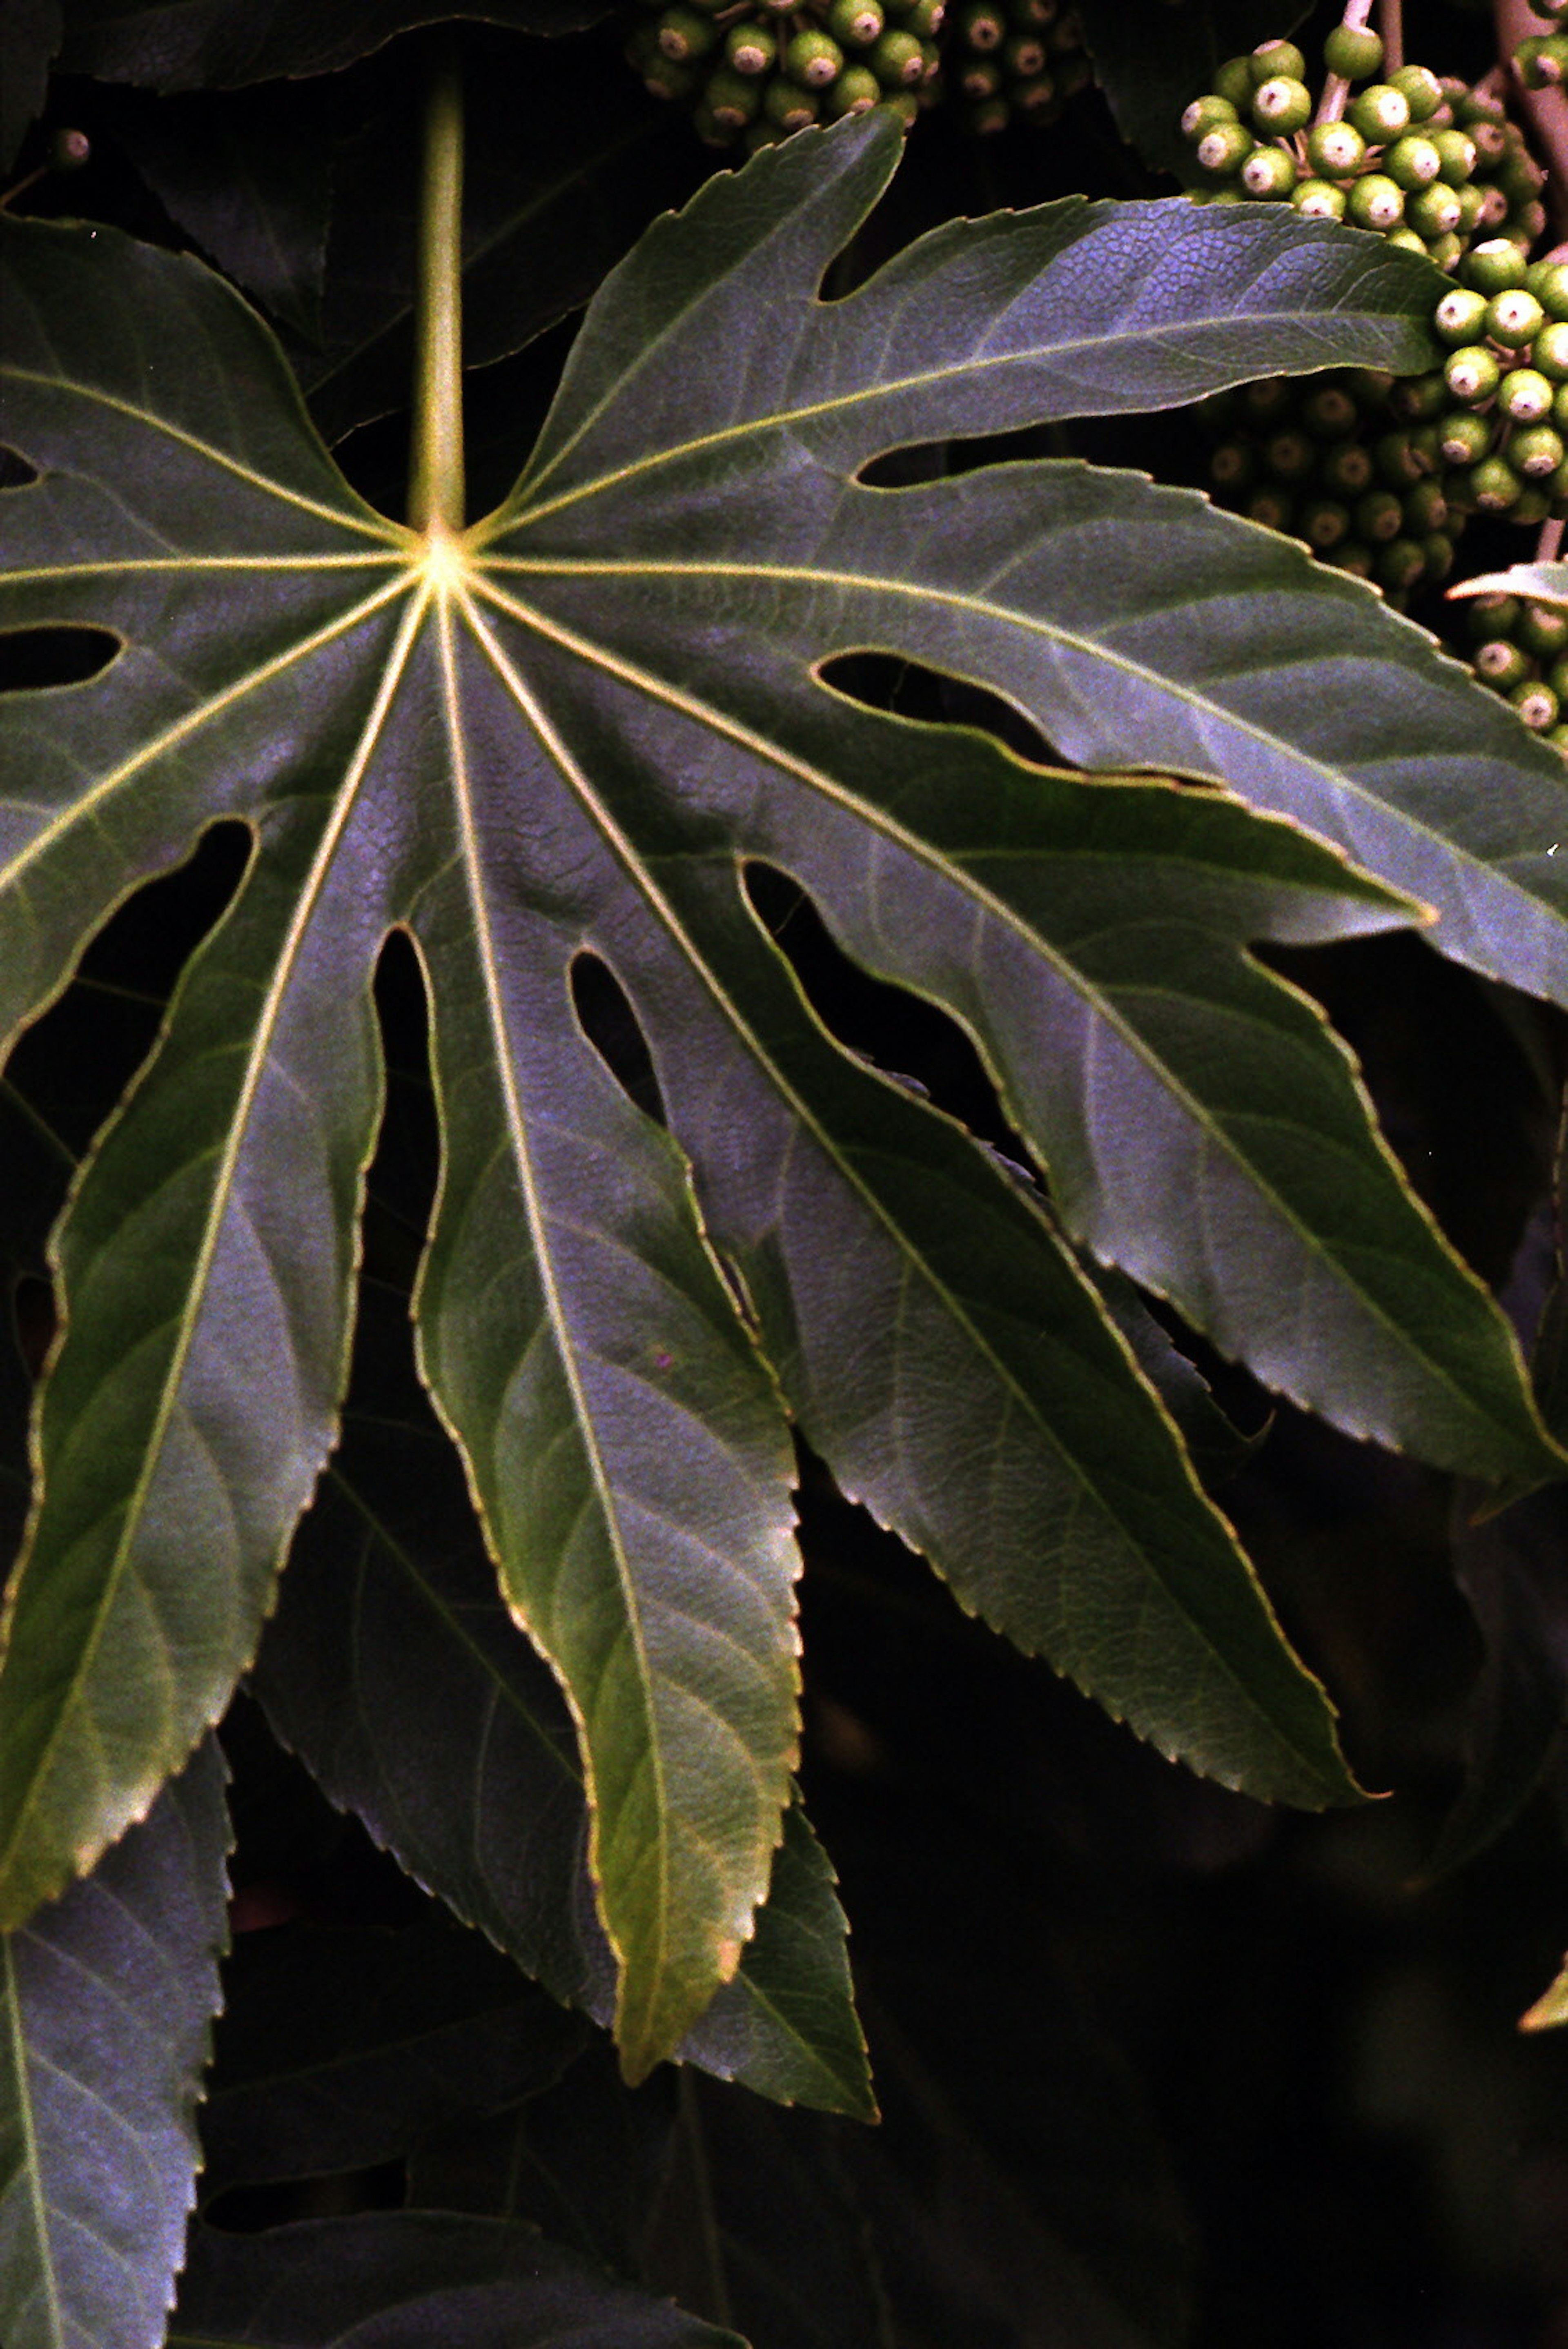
[{"x": 1155, "y": 2062}]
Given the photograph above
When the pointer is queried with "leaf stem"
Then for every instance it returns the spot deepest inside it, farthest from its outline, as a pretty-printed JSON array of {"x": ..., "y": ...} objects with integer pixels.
[{"x": 436, "y": 499}]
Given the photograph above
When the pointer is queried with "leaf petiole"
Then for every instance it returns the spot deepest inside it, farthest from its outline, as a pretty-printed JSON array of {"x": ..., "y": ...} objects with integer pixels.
[{"x": 436, "y": 498}]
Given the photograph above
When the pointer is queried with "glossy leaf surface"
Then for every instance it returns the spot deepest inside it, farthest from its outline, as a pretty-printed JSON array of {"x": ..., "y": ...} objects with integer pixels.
[
  {"x": 106, "y": 2006},
  {"x": 569, "y": 729}
]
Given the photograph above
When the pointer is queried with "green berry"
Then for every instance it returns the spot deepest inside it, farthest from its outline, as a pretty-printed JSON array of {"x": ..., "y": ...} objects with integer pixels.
[
  {"x": 813, "y": 59},
  {"x": 926, "y": 19},
  {"x": 1347, "y": 470},
  {"x": 1525, "y": 395},
  {"x": 979, "y": 79},
  {"x": 1335, "y": 149},
  {"x": 1488, "y": 617},
  {"x": 1413, "y": 161},
  {"x": 684, "y": 34},
  {"x": 855, "y": 90},
  {"x": 665, "y": 77},
  {"x": 1464, "y": 438},
  {"x": 1420, "y": 89},
  {"x": 1380, "y": 112},
  {"x": 1547, "y": 280},
  {"x": 1233, "y": 465},
  {"x": 1324, "y": 524},
  {"x": 750, "y": 48},
  {"x": 1353, "y": 51},
  {"x": 1433, "y": 212},
  {"x": 1472, "y": 204},
  {"x": 1397, "y": 462},
  {"x": 1318, "y": 199},
  {"x": 897, "y": 60},
  {"x": 1290, "y": 455},
  {"x": 1500, "y": 664},
  {"x": 1401, "y": 563},
  {"x": 1419, "y": 398},
  {"x": 1379, "y": 516},
  {"x": 1281, "y": 106},
  {"x": 733, "y": 98},
  {"x": 1329, "y": 410},
  {"x": 1265, "y": 400},
  {"x": 1494, "y": 266},
  {"x": 1024, "y": 55},
  {"x": 856, "y": 23},
  {"x": 984, "y": 27},
  {"x": 1536, "y": 704},
  {"x": 989, "y": 119},
  {"x": 1480, "y": 106},
  {"x": 1532, "y": 505},
  {"x": 1204, "y": 114},
  {"x": 1234, "y": 81},
  {"x": 1548, "y": 352},
  {"x": 1456, "y": 156},
  {"x": 1376, "y": 201},
  {"x": 1224, "y": 149},
  {"x": 1269, "y": 172},
  {"x": 1542, "y": 60},
  {"x": 1273, "y": 58},
  {"x": 1438, "y": 551},
  {"x": 1542, "y": 631},
  {"x": 1537, "y": 452},
  {"x": 1473, "y": 374},
  {"x": 1494, "y": 485},
  {"x": 1354, "y": 558},
  {"x": 1514, "y": 317},
  {"x": 1274, "y": 508},
  {"x": 1460, "y": 316},
  {"x": 1425, "y": 509}
]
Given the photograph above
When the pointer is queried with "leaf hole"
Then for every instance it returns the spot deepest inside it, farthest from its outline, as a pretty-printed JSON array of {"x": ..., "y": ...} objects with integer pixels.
[
  {"x": 255, "y": 2209},
  {"x": 401, "y": 1184},
  {"x": 930, "y": 696},
  {"x": 901, "y": 1032},
  {"x": 30, "y": 657},
  {"x": 33, "y": 1316},
  {"x": 607, "y": 1018},
  {"x": 75, "y": 1059},
  {"x": 15, "y": 473}
]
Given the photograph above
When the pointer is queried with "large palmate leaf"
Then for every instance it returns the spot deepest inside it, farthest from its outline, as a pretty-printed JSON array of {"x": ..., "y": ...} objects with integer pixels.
[
  {"x": 106, "y": 2006},
  {"x": 568, "y": 730}
]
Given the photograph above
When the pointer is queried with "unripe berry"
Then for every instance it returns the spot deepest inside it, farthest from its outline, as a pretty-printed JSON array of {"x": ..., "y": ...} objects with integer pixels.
[
  {"x": 1347, "y": 470},
  {"x": 856, "y": 23},
  {"x": 1560, "y": 408},
  {"x": 1375, "y": 201},
  {"x": 897, "y": 60},
  {"x": 1024, "y": 55},
  {"x": 1282, "y": 105},
  {"x": 1494, "y": 266},
  {"x": 1542, "y": 631},
  {"x": 1401, "y": 563},
  {"x": 1472, "y": 204},
  {"x": 1419, "y": 398},
  {"x": 990, "y": 118},
  {"x": 1500, "y": 663},
  {"x": 1272, "y": 57},
  {"x": 855, "y": 91},
  {"x": 1413, "y": 161},
  {"x": 1203, "y": 114},
  {"x": 925, "y": 20},
  {"x": 665, "y": 77},
  {"x": 1329, "y": 410},
  {"x": 1473, "y": 374},
  {"x": 1480, "y": 106},
  {"x": 750, "y": 48},
  {"x": 1380, "y": 112},
  {"x": 1456, "y": 156},
  {"x": 1354, "y": 558},
  {"x": 1325, "y": 523},
  {"x": 1335, "y": 149},
  {"x": 1420, "y": 89},
  {"x": 1461, "y": 315},
  {"x": 985, "y": 28},
  {"x": 1265, "y": 400},
  {"x": 69, "y": 149},
  {"x": 1379, "y": 516},
  {"x": 1464, "y": 438},
  {"x": 1514, "y": 318},
  {"x": 1290, "y": 455},
  {"x": 979, "y": 79},
  {"x": 1425, "y": 509},
  {"x": 1353, "y": 51},
  {"x": 1548, "y": 352},
  {"x": 1492, "y": 214},
  {"x": 1524, "y": 225},
  {"x": 1233, "y": 465},
  {"x": 1547, "y": 280},
  {"x": 1434, "y": 212},
  {"x": 792, "y": 107},
  {"x": 1536, "y": 704},
  {"x": 1525, "y": 395},
  {"x": 733, "y": 98},
  {"x": 1540, "y": 60},
  {"x": 684, "y": 34},
  {"x": 1494, "y": 485},
  {"x": 1039, "y": 100},
  {"x": 1439, "y": 552},
  {"x": 813, "y": 59},
  {"x": 1269, "y": 172},
  {"x": 1318, "y": 199},
  {"x": 1234, "y": 81},
  {"x": 1274, "y": 508},
  {"x": 1397, "y": 462},
  {"x": 1533, "y": 504},
  {"x": 1490, "y": 618}
]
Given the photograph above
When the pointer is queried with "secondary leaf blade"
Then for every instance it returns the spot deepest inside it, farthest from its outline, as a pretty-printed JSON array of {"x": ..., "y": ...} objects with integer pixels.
[{"x": 106, "y": 2001}]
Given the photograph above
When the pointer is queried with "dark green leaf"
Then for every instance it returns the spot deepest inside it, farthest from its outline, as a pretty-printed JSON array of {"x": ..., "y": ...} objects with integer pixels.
[
  {"x": 568, "y": 731},
  {"x": 173, "y": 44},
  {"x": 340, "y": 2047},
  {"x": 409, "y": 2279},
  {"x": 106, "y": 2006},
  {"x": 393, "y": 1668},
  {"x": 29, "y": 36}
]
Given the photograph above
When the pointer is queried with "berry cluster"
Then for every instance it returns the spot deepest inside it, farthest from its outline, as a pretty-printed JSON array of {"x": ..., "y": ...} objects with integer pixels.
[
  {"x": 1428, "y": 164},
  {"x": 1016, "y": 59},
  {"x": 1505, "y": 431},
  {"x": 1346, "y": 461},
  {"x": 757, "y": 70},
  {"x": 1521, "y": 649}
]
